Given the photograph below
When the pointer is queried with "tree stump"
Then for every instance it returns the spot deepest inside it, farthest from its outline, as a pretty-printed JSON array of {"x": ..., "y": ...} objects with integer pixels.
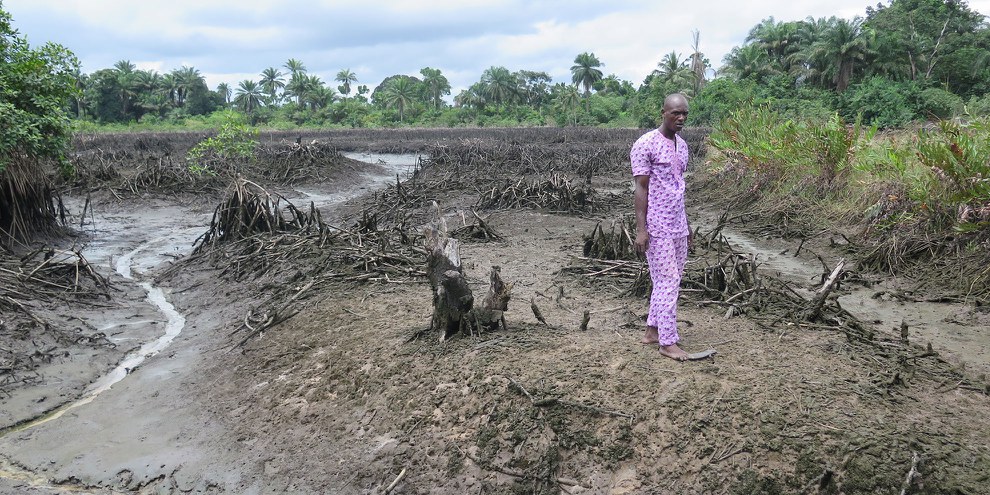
[
  {"x": 453, "y": 300},
  {"x": 491, "y": 314},
  {"x": 452, "y": 297}
]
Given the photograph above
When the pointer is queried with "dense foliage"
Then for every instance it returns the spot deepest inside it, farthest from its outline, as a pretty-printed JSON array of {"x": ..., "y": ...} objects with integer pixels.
[
  {"x": 34, "y": 130},
  {"x": 34, "y": 85}
]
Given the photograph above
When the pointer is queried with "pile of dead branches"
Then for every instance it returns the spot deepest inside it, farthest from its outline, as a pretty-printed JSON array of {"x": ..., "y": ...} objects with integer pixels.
[
  {"x": 255, "y": 232},
  {"x": 292, "y": 254},
  {"x": 554, "y": 192},
  {"x": 158, "y": 169},
  {"x": 248, "y": 210},
  {"x": 716, "y": 276},
  {"x": 616, "y": 244},
  {"x": 47, "y": 276},
  {"x": 476, "y": 231}
]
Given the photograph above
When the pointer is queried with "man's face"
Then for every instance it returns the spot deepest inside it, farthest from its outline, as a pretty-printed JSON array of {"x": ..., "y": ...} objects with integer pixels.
[{"x": 674, "y": 115}]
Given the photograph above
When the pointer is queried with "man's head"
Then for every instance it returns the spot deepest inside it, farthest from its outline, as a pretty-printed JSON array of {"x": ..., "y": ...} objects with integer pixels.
[{"x": 674, "y": 113}]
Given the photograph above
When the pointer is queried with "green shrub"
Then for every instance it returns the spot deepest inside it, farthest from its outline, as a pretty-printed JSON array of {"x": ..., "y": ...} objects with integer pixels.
[
  {"x": 959, "y": 155},
  {"x": 939, "y": 104},
  {"x": 234, "y": 140},
  {"x": 881, "y": 102}
]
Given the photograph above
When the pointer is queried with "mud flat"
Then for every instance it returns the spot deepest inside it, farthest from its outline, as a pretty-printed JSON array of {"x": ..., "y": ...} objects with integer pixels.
[{"x": 350, "y": 395}]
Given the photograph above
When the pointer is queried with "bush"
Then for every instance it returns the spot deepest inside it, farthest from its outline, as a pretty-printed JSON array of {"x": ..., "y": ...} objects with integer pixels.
[
  {"x": 978, "y": 106},
  {"x": 881, "y": 102},
  {"x": 939, "y": 104},
  {"x": 719, "y": 98},
  {"x": 234, "y": 139}
]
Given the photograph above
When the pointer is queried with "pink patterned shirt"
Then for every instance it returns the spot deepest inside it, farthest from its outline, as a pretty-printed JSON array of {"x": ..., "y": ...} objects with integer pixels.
[{"x": 658, "y": 157}]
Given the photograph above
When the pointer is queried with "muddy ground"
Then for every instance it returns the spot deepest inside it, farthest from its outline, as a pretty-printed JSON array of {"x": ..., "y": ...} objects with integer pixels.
[{"x": 349, "y": 395}]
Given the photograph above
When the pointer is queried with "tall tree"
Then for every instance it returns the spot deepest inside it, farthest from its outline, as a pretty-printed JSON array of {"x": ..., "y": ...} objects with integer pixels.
[
  {"x": 808, "y": 64},
  {"x": 585, "y": 72},
  {"x": 845, "y": 44},
  {"x": 471, "y": 98},
  {"x": 346, "y": 78},
  {"x": 436, "y": 85},
  {"x": 534, "y": 88},
  {"x": 314, "y": 93},
  {"x": 248, "y": 96},
  {"x": 699, "y": 64},
  {"x": 914, "y": 37},
  {"x": 778, "y": 39},
  {"x": 223, "y": 89},
  {"x": 297, "y": 86},
  {"x": 567, "y": 100},
  {"x": 400, "y": 93},
  {"x": 126, "y": 86},
  {"x": 500, "y": 85},
  {"x": 271, "y": 82},
  {"x": 748, "y": 61},
  {"x": 186, "y": 79},
  {"x": 295, "y": 67},
  {"x": 674, "y": 72}
]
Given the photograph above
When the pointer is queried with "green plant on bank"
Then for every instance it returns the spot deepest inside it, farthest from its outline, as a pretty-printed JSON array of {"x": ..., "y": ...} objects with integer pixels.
[
  {"x": 234, "y": 139},
  {"x": 959, "y": 157},
  {"x": 785, "y": 151}
]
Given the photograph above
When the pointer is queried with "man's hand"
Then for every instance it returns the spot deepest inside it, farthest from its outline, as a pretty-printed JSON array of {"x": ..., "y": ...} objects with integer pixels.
[{"x": 642, "y": 242}]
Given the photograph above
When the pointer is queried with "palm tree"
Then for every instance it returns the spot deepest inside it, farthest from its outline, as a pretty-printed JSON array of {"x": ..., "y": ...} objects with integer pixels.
[
  {"x": 699, "y": 65},
  {"x": 400, "y": 93},
  {"x": 779, "y": 39},
  {"x": 295, "y": 67},
  {"x": 345, "y": 77},
  {"x": 271, "y": 82},
  {"x": 436, "y": 85},
  {"x": 808, "y": 62},
  {"x": 81, "y": 83},
  {"x": 248, "y": 96},
  {"x": 567, "y": 101},
  {"x": 321, "y": 96},
  {"x": 313, "y": 92},
  {"x": 747, "y": 61},
  {"x": 585, "y": 72},
  {"x": 500, "y": 85},
  {"x": 124, "y": 66},
  {"x": 296, "y": 87},
  {"x": 223, "y": 89},
  {"x": 186, "y": 79},
  {"x": 473, "y": 97},
  {"x": 127, "y": 83},
  {"x": 843, "y": 45}
]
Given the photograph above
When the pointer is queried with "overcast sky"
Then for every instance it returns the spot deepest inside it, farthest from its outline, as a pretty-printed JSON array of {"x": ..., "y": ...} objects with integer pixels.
[{"x": 232, "y": 40}]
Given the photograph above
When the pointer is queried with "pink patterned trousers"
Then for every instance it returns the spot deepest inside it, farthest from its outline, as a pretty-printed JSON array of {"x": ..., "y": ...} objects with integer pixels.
[{"x": 666, "y": 258}]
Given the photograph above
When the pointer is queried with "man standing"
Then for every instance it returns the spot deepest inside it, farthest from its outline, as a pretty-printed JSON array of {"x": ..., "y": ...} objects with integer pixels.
[{"x": 659, "y": 159}]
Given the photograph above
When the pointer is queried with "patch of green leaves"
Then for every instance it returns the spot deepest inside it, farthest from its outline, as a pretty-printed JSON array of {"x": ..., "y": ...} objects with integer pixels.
[{"x": 234, "y": 140}]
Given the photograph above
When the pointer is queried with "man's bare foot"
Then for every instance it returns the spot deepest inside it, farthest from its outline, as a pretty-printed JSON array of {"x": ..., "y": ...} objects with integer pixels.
[
  {"x": 650, "y": 337},
  {"x": 674, "y": 352}
]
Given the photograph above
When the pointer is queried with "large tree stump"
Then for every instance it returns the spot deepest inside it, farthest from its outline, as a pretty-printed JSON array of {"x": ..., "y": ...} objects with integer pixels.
[
  {"x": 452, "y": 297},
  {"x": 453, "y": 300}
]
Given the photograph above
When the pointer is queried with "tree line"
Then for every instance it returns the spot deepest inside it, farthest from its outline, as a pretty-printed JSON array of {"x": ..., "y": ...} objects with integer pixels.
[{"x": 904, "y": 61}]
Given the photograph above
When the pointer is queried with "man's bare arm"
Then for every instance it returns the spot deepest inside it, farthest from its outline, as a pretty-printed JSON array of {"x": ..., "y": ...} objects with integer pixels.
[{"x": 641, "y": 194}]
